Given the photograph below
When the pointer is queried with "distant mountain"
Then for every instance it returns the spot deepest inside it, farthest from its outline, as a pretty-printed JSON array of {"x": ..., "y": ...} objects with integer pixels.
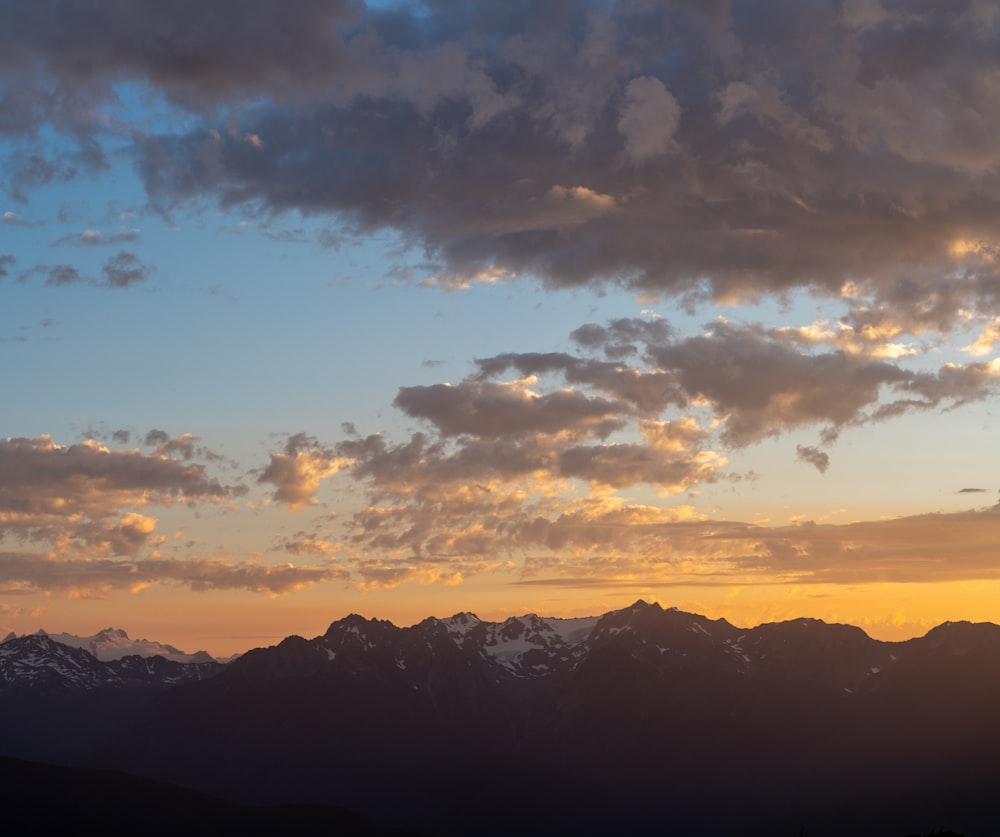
[
  {"x": 642, "y": 718},
  {"x": 57, "y": 701},
  {"x": 40, "y": 661},
  {"x": 114, "y": 643}
]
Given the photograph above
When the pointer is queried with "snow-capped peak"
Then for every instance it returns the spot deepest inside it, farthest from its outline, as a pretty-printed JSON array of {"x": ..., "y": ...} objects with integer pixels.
[
  {"x": 461, "y": 623},
  {"x": 113, "y": 643}
]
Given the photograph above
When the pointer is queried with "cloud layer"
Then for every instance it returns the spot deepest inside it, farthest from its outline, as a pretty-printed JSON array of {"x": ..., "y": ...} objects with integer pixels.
[
  {"x": 80, "y": 503},
  {"x": 717, "y": 151},
  {"x": 534, "y": 459},
  {"x": 681, "y": 148}
]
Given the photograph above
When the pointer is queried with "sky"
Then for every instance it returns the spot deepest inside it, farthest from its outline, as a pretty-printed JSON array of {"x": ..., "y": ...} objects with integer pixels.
[{"x": 407, "y": 309}]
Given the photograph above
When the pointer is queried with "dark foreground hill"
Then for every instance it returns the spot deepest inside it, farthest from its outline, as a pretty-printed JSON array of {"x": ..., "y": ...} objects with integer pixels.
[
  {"x": 44, "y": 800},
  {"x": 642, "y": 719}
]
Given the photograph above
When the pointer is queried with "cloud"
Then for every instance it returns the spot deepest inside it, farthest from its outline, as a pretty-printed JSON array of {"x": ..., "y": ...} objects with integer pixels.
[
  {"x": 31, "y": 572},
  {"x": 649, "y": 391},
  {"x": 762, "y": 388},
  {"x": 718, "y": 151},
  {"x": 917, "y": 548},
  {"x": 987, "y": 340},
  {"x": 120, "y": 271},
  {"x": 124, "y": 269},
  {"x": 303, "y": 544},
  {"x": 819, "y": 459},
  {"x": 758, "y": 382},
  {"x": 183, "y": 445},
  {"x": 496, "y": 409},
  {"x": 446, "y": 508},
  {"x": 85, "y": 497},
  {"x": 619, "y": 547},
  {"x": 32, "y": 167},
  {"x": 60, "y": 275},
  {"x": 649, "y": 119},
  {"x": 92, "y": 238},
  {"x": 296, "y": 473},
  {"x": 14, "y": 220},
  {"x": 671, "y": 457},
  {"x": 88, "y": 508},
  {"x": 197, "y": 57},
  {"x": 155, "y": 437},
  {"x": 794, "y": 147},
  {"x": 529, "y": 466}
]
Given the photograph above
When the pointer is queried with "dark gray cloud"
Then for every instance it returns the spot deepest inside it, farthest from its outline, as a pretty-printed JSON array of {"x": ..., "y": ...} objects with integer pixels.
[
  {"x": 198, "y": 56},
  {"x": 155, "y": 437},
  {"x": 120, "y": 271},
  {"x": 722, "y": 149},
  {"x": 53, "y": 276},
  {"x": 61, "y": 274},
  {"x": 819, "y": 459},
  {"x": 758, "y": 382},
  {"x": 762, "y": 387},
  {"x": 648, "y": 391},
  {"x": 620, "y": 338},
  {"x": 184, "y": 447},
  {"x": 491, "y": 409},
  {"x": 124, "y": 270}
]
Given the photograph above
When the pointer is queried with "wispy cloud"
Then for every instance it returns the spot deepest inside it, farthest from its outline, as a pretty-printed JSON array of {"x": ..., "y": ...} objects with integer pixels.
[
  {"x": 33, "y": 572},
  {"x": 122, "y": 270}
]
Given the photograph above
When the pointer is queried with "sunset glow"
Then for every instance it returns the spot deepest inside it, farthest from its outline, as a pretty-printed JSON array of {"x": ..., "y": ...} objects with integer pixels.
[{"x": 411, "y": 309}]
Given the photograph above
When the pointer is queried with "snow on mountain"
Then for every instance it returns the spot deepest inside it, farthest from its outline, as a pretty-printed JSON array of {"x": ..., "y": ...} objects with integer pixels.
[
  {"x": 41, "y": 659},
  {"x": 38, "y": 658},
  {"x": 113, "y": 643},
  {"x": 527, "y": 646},
  {"x": 574, "y": 630}
]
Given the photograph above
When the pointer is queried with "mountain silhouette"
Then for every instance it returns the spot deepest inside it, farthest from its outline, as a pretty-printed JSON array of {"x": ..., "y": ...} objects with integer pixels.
[{"x": 640, "y": 718}]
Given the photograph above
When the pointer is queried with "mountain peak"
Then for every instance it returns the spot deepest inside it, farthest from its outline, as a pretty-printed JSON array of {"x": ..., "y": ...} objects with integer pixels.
[
  {"x": 355, "y": 622},
  {"x": 641, "y": 604},
  {"x": 113, "y": 644}
]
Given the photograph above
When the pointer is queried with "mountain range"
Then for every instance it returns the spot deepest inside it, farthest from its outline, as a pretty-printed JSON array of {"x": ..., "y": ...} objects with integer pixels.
[
  {"x": 114, "y": 643},
  {"x": 640, "y": 718}
]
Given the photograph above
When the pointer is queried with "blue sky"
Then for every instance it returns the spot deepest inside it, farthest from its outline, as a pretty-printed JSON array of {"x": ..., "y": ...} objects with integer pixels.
[{"x": 410, "y": 310}]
